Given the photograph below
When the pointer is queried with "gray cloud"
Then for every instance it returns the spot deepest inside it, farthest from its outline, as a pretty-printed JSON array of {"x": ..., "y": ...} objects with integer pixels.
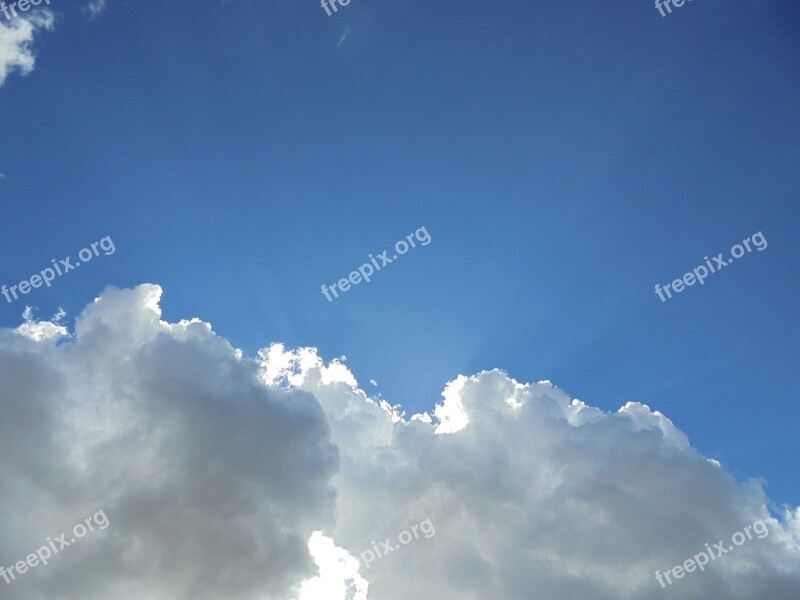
[{"x": 213, "y": 482}]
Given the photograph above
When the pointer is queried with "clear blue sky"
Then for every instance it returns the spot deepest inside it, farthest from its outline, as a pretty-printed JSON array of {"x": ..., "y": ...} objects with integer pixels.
[{"x": 565, "y": 157}]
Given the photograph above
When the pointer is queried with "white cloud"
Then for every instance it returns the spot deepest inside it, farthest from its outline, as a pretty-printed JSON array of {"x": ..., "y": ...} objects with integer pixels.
[
  {"x": 95, "y": 8},
  {"x": 42, "y": 330},
  {"x": 531, "y": 490},
  {"x": 228, "y": 477},
  {"x": 338, "y": 572},
  {"x": 16, "y": 38}
]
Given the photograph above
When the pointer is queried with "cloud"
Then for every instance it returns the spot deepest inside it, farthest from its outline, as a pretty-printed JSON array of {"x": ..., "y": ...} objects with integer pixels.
[
  {"x": 16, "y": 38},
  {"x": 530, "y": 489},
  {"x": 212, "y": 482},
  {"x": 343, "y": 36},
  {"x": 224, "y": 476},
  {"x": 42, "y": 330},
  {"x": 95, "y": 8}
]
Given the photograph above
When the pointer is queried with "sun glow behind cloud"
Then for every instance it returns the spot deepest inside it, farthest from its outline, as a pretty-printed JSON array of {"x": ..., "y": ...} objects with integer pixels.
[{"x": 263, "y": 479}]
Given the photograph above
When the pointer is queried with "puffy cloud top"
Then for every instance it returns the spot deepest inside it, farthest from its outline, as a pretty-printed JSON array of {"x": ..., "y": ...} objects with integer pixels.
[
  {"x": 225, "y": 476},
  {"x": 213, "y": 482}
]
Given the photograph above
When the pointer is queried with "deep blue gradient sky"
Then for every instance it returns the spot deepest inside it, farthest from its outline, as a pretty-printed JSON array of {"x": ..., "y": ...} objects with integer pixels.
[{"x": 565, "y": 157}]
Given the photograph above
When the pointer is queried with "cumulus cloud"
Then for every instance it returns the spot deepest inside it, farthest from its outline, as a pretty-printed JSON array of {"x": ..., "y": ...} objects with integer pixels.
[
  {"x": 533, "y": 492},
  {"x": 225, "y": 476},
  {"x": 212, "y": 482},
  {"x": 16, "y": 39}
]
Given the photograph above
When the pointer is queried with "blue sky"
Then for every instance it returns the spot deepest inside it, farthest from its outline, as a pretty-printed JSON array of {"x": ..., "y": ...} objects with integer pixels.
[{"x": 564, "y": 157}]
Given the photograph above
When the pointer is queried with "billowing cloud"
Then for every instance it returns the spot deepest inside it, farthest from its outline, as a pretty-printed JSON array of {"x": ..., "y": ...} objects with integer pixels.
[
  {"x": 535, "y": 494},
  {"x": 212, "y": 482},
  {"x": 16, "y": 39},
  {"x": 224, "y": 476}
]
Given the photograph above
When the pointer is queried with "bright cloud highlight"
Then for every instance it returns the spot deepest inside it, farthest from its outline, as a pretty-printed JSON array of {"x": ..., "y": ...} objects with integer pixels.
[{"x": 225, "y": 476}]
